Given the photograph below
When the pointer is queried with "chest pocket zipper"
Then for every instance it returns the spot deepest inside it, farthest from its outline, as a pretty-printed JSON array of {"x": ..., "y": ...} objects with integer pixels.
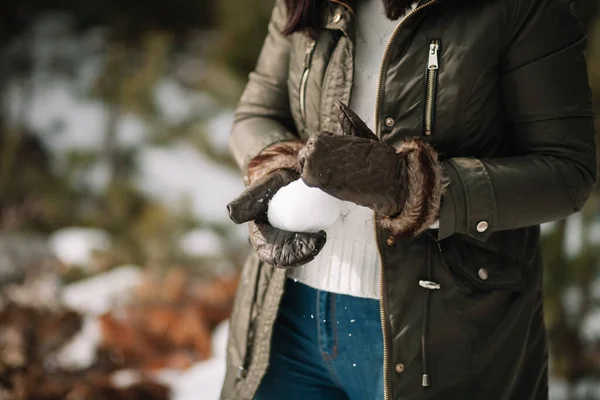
[
  {"x": 431, "y": 89},
  {"x": 310, "y": 50}
]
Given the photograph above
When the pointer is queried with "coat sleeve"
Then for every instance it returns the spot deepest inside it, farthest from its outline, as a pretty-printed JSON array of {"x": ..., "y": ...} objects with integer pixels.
[
  {"x": 263, "y": 114},
  {"x": 548, "y": 101}
]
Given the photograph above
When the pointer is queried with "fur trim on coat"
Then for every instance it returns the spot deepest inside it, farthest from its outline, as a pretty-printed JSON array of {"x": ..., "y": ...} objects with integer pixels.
[
  {"x": 281, "y": 155},
  {"x": 425, "y": 186}
]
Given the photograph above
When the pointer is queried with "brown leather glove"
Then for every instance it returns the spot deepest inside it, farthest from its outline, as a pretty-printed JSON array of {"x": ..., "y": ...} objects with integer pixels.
[
  {"x": 404, "y": 186},
  {"x": 269, "y": 172}
]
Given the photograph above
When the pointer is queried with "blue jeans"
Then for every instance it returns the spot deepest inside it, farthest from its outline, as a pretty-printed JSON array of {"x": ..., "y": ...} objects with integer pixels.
[{"x": 324, "y": 346}]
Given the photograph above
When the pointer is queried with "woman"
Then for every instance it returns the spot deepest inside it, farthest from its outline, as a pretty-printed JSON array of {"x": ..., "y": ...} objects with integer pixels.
[{"x": 482, "y": 130}]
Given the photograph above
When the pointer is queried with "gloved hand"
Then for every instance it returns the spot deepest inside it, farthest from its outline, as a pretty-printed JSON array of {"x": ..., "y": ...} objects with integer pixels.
[
  {"x": 274, "y": 246},
  {"x": 404, "y": 186}
]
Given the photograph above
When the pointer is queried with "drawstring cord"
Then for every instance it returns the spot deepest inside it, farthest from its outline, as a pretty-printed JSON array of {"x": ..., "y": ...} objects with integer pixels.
[{"x": 430, "y": 286}]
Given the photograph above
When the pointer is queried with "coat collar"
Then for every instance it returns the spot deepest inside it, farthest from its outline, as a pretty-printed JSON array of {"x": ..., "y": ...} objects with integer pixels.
[{"x": 350, "y": 5}]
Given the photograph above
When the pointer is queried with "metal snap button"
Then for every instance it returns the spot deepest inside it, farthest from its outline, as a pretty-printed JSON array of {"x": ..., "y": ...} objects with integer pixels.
[
  {"x": 389, "y": 122},
  {"x": 399, "y": 368},
  {"x": 337, "y": 18},
  {"x": 483, "y": 274},
  {"x": 482, "y": 226},
  {"x": 390, "y": 240}
]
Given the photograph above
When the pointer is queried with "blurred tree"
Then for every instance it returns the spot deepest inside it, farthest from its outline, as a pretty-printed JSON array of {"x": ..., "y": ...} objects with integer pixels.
[
  {"x": 586, "y": 10},
  {"x": 242, "y": 30},
  {"x": 130, "y": 17},
  {"x": 570, "y": 280},
  {"x": 141, "y": 47}
]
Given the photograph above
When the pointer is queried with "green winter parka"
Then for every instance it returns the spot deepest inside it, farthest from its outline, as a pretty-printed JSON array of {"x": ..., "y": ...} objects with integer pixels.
[{"x": 500, "y": 89}]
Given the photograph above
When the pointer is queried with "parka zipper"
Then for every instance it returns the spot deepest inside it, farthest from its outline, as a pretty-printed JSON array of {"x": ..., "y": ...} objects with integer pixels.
[
  {"x": 430, "y": 96},
  {"x": 382, "y": 315},
  {"x": 343, "y": 4},
  {"x": 310, "y": 50},
  {"x": 382, "y": 308},
  {"x": 385, "y": 60}
]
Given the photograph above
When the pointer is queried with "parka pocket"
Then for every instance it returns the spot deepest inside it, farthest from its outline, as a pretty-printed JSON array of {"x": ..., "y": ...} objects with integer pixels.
[
  {"x": 433, "y": 66},
  {"x": 501, "y": 263}
]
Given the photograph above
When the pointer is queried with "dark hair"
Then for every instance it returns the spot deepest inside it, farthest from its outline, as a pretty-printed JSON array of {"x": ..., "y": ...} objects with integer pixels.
[{"x": 303, "y": 14}]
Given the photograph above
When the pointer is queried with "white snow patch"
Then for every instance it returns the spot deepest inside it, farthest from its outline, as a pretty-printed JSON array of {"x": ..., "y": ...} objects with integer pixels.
[
  {"x": 573, "y": 242},
  {"x": 300, "y": 208},
  {"x": 204, "y": 378},
  {"x": 178, "y": 103},
  {"x": 80, "y": 351},
  {"x": 572, "y": 300},
  {"x": 594, "y": 232},
  {"x": 590, "y": 327},
  {"x": 96, "y": 177},
  {"x": 558, "y": 389},
  {"x": 126, "y": 377},
  {"x": 75, "y": 246},
  {"x": 587, "y": 388},
  {"x": 83, "y": 123},
  {"x": 131, "y": 132},
  {"x": 595, "y": 289},
  {"x": 219, "y": 128},
  {"x": 547, "y": 228},
  {"x": 179, "y": 172},
  {"x": 100, "y": 293},
  {"x": 201, "y": 242}
]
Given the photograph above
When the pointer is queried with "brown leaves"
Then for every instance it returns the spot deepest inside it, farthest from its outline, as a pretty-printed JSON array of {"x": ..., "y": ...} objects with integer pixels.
[
  {"x": 170, "y": 323},
  {"x": 28, "y": 337}
]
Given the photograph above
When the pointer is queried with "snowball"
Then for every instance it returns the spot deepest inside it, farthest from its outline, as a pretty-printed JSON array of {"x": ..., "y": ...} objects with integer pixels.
[{"x": 299, "y": 208}]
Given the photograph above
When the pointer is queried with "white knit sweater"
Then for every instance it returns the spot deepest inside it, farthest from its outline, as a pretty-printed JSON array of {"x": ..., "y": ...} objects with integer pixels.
[{"x": 350, "y": 263}]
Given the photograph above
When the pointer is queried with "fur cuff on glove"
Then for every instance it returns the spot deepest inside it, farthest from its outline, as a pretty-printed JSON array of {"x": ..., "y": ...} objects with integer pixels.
[
  {"x": 282, "y": 155},
  {"x": 425, "y": 187}
]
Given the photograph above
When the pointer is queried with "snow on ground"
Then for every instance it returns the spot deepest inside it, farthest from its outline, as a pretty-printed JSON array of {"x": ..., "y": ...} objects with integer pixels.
[
  {"x": 593, "y": 234},
  {"x": 179, "y": 173},
  {"x": 96, "y": 295},
  {"x": 75, "y": 245},
  {"x": 80, "y": 351},
  {"x": 60, "y": 108},
  {"x": 218, "y": 131},
  {"x": 572, "y": 300},
  {"x": 574, "y": 237},
  {"x": 67, "y": 120},
  {"x": 92, "y": 297},
  {"x": 558, "y": 389},
  {"x": 585, "y": 389},
  {"x": 204, "y": 379},
  {"x": 595, "y": 290},
  {"x": 590, "y": 327},
  {"x": 201, "y": 242},
  {"x": 547, "y": 228},
  {"x": 100, "y": 293},
  {"x": 178, "y": 103}
]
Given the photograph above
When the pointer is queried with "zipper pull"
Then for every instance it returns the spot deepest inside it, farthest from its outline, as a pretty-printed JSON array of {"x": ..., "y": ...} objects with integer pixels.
[
  {"x": 433, "y": 55},
  {"x": 429, "y": 285},
  {"x": 308, "y": 54}
]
